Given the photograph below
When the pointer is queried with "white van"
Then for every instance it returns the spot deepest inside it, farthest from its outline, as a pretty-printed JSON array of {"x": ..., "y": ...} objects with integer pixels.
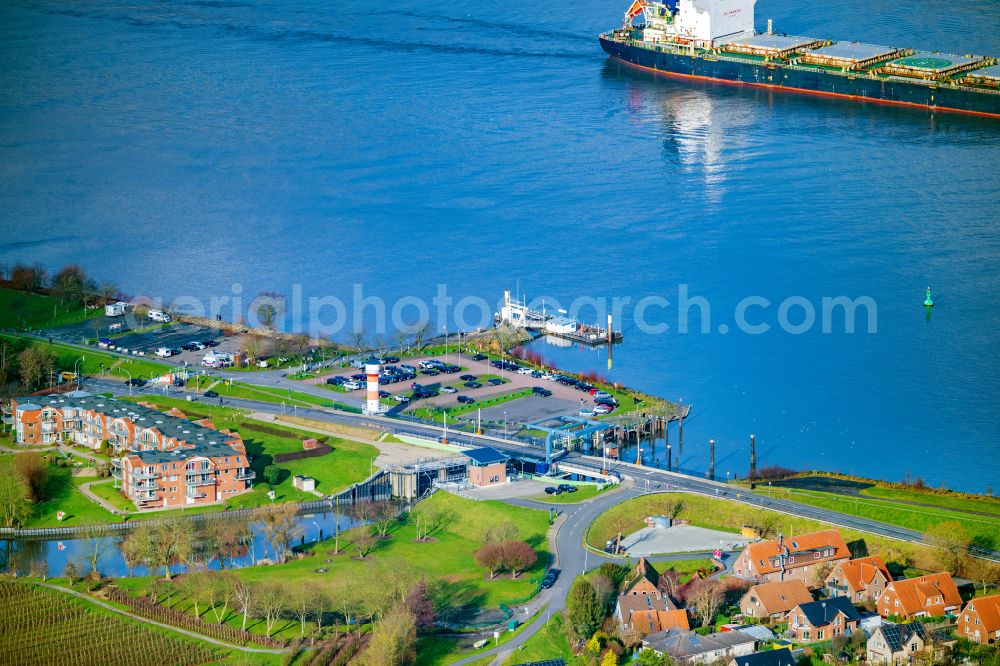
[
  {"x": 164, "y": 352},
  {"x": 159, "y": 315},
  {"x": 115, "y": 309}
]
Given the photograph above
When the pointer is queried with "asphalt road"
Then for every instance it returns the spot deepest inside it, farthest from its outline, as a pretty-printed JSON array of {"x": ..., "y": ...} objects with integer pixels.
[{"x": 658, "y": 480}]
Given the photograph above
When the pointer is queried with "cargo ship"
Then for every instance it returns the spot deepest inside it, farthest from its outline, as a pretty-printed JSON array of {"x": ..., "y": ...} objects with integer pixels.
[{"x": 717, "y": 40}]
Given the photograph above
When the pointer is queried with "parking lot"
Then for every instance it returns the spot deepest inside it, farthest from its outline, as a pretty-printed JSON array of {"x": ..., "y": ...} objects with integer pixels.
[
  {"x": 564, "y": 400},
  {"x": 680, "y": 539},
  {"x": 145, "y": 343}
]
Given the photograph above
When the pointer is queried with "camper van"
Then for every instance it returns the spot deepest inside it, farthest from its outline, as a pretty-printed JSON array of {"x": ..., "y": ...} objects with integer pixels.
[
  {"x": 115, "y": 309},
  {"x": 159, "y": 315}
]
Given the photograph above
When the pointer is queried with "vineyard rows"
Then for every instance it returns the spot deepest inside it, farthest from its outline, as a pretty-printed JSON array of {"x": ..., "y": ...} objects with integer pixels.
[{"x": 38, "y": 627}]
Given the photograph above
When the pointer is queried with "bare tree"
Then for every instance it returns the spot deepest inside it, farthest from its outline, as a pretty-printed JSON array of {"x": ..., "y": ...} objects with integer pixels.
[
  {"x": 393, "y": 641},
  {"x": 271, "y": 601},
  {"x": 501, "y": 532},
  {"x": 172, "y": 540},
  {"x": 706, "y": 600},
  {"x": 364, "y": 542},
  {"x": 197, "y": 587},
  {"x": 358, "y": 337},
  {"x": 384, "y": 515},
  {"x": 302, "y": 601},
  {"x": 245, "y": 596},
  {"x": 222, "y": 589},
  {"x": 280, "y": 527},
  {"x": 345, "y": 599},
  {"x": 96, "y": 546}
]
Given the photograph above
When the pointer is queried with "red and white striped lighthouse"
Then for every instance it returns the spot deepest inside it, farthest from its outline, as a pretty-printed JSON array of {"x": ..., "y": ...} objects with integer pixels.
[{"x": 372, "y": 370}]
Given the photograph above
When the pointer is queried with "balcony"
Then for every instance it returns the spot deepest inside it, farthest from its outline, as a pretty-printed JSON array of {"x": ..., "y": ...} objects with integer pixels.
[
  {"x": 204, "y": 480},
  {"x": 143, "y": 485},
  {"x": 141, "y": 474},
  {"x": 195, "y": 494},
  {"x": 49, "y": 426},
  {"x": 245, "y": 474},
  {"x": 142, "y": 495},
  {"x": 116, "y": 471},
  {"x": 198, "y": 470}
]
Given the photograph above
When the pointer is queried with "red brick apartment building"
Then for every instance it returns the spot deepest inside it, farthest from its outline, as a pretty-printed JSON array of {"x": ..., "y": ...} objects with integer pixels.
[
  {"x": 791, "y": 557},
  {"x": 980, "y": 621},
  {"x": 163, "y": 460}
]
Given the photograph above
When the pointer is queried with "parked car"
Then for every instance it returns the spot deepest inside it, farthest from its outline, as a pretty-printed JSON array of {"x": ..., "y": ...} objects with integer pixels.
[
  {"x": 198, "y": 346},
  {"x": 609, "y": 401},
  {"x": 566, "y": 488},
  {"x": 494, "y": 381},
  {"x": 600, "y": 394},
  {"x": 549, "y": 377},
  {"x": 603, "y": 409},
  {"x": 538, "y": 390},
  {"x": 359, "y": 377},
  {"x": 466, "y": 400},
  {"x": 537, "y": 374},
  {"x": 480, "y": 357},
  {"x": 391, "y": 359},
  {"x": 524, "y": 371},
  {"x": 552, "y": 490},
  {"x": 352, "y": 386},
  {"x": 400, "y": 398},
  {"x": 449, "y": 389},
  {"x": 553, "y": 575},
  {"x": 585, "y": 412},
  {"x": 430, "y": 373},
  {"x": 135, "y": 382},
  {"x": 358, "y": 363},
  {"x": 468, "y": 378},
  {"x": 164, "y": 352},
  {"x": 407, "y": 368},
  {"x": 473, "y": 385},
  {"x": 384, "y": 394},
  {"x": 339, "y": 380},
  {"x": 211, "y": 343},
  {"x": 210, "y": 394},
  {"x": 583, "y": 386},
  {"x": 189, "y": 347},
  {"x": 450, "y": 369}
]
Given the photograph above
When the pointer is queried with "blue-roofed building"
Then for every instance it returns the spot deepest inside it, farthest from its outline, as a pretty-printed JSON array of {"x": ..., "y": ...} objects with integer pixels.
[
  {"x": 823, "y": 620},
  {"x": 487, "y": 466},
  {"x": 779, "y": 657}
]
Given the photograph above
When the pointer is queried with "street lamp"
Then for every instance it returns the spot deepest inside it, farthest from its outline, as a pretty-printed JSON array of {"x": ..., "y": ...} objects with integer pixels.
[
  {"x": 129, "y": 381},
  {"x": 505, "y": 425},
  {"x": 319, "y": 529},
  {"x": 76, "y": 371}
]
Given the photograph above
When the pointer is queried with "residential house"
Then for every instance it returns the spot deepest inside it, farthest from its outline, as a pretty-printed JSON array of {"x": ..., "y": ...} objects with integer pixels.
[
  {"x": 796, "y": 557},
  {"x": 161, "y": 460},
  {"x": 926, "y": 596},
  {"x": 863, "y": 579},
  {"x": 687, "y": 647},
  {"x": 892, "y": 644},
  {"x": 824, "y": 619},
  {"x": 487, "y": 466},
  {"x": 642, "y": 607},
  {"x": 980, "y": 620},
  {"x": 772, "y": 601},
  {"x": 779, "y": 657}
]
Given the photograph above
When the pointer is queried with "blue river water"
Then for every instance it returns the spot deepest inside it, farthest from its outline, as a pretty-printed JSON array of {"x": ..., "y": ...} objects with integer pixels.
[{"x": 179, "y": 148}]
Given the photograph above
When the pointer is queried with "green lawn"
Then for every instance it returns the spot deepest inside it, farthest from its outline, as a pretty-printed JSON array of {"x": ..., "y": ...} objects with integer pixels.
[
  {"x": 448, "y": 563},
  {"x": 984, "y": 504},
  {"x": 94, "y": 362},
  {"x": 584, "y": 492},
  {"x": 729, "y": 516},
  {"x": 549, "y": 643},
  {"x": 23, "y": 310},
  {"x": 60, "y": 493},
  {"x": 459, "y": 409},
  {"x": 985, "y": 529}
]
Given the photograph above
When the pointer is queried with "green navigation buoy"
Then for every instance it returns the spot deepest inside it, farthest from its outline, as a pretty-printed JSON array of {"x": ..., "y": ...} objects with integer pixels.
[{"x": 929, "y": 302}]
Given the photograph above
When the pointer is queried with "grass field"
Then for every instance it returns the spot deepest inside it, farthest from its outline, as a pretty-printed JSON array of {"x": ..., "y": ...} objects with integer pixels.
[
  {"x": 448, "y": 563},
  {"x": 94, "y": 362},
  {"x": 990, "y": 505},
  {"x": 730, "y": 516},
  {"x": 584, "y": 492},
  {"x": 459, "y": 409},
  {"x": 23, "y": 310},
  {"x": 549, "y": 643},
  {"x": 985, "y": 529}
]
